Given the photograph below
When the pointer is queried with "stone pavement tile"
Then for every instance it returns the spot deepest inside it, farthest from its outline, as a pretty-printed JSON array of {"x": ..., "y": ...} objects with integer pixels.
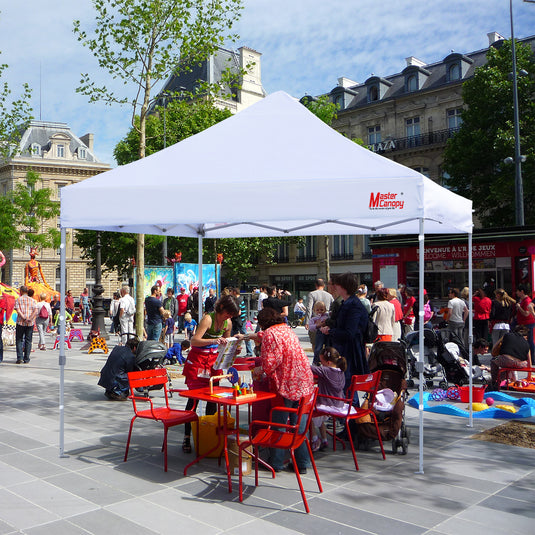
[
  {"x": 391, "y": 507},
  {"x": 525, "y": 508},
  {"x": 459, "y": 526},
  {"x": 161, "y": 519},
  {"x": 96, "y": 492},
  {"x": 261, "y": 526},
  {"x": 13, "y": 476},
  {"x": 311, "y": 524},
  {"x": 518, "y": 492},
  {"x": 18, "y": 441},
  {"x": 53, "y": 499},
  {"x": 370, "y": 522},
  {"x": 220, "y": 517},
  {"x": 61, "y": 527},
  {"x": 105, "y": 522},
  {"x": 32, "y": 465},
  {"x": 22, "y": 514},
  {"x": 499, "y": 520},
  {"x": 7, "y": 529},
  {"x": 122, "y": 480}
]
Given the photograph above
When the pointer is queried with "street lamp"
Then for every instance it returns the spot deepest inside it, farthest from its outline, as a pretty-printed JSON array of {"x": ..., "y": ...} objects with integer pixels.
[{"x": 97, "y": 323}]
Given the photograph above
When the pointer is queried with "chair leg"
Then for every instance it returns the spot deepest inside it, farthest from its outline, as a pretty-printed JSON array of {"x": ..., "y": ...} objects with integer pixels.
[
  {"x": 129, "y": 435},
  {"x": 352, "y": 445},
  {"x": 164, "y": 447},
  {"x": 379, "y": 436},
  {"x": 296, "y": 470},
  {"x": 314, "y": 466}
]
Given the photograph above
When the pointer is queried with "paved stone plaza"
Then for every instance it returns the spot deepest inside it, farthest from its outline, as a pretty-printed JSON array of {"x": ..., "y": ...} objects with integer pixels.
[{"x": 468, "y": 487}]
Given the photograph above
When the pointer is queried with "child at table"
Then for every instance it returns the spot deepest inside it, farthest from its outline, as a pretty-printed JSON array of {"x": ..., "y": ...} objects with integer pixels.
[{"x": 331, "y": 381}]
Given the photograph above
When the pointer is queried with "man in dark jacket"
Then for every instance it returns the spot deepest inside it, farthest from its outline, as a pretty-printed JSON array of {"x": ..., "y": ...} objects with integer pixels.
[
  {"x": 114, "y": 374},
  {"x": 511, "y": 351}
]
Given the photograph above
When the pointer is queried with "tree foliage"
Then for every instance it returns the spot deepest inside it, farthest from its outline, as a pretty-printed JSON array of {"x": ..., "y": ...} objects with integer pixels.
[
  {"x": 14, "y": 114},
  {"x": 322, "y": 108},
  {"x": 178, "y": 121},
  {"x": 474, "y": 157},
  {"x": 24, "y": 212}
]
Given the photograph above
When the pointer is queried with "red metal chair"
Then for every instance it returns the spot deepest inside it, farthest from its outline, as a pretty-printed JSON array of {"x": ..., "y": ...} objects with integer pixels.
[
  {"x": 163, "y": 413},
  {"x": 369, "y": 384},
  {"x": 283, "y": 436}
]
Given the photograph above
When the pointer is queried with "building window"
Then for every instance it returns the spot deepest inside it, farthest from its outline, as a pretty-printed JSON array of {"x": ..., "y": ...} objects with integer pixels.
[
  {"x": 58, "y": 190},
  {"x": 412, "y": 127},
  {"x": 454, "y": 119},
  {"x": 60, "y": 151},
  {"x": 58, "y": 278},
  {"x": 412, "y": 83},
  {"x": 282, "y": 254},
  {"x": 342, "y": 248},
  {"x": 308, "y": 252},
  {"x": 82, "y": 153},
  {"x": 454, "y": 72},
  {"x": 35, "y": 149},
  {"x": 373, "y": 93},
  {"x": 423, "y": 170},
  {"x": 374, "y": 134}
]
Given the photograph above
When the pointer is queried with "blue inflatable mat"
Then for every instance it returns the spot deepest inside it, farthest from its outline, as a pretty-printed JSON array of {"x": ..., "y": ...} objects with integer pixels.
[{"x": 525, "y": 407}]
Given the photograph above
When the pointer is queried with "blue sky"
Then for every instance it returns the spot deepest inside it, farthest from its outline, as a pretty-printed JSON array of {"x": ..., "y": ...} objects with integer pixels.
[{"x": 305, "y": 44}]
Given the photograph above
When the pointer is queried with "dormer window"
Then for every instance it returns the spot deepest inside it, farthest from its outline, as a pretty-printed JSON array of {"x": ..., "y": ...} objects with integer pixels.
[
  {"x": 415, "y": 77},
  {"x": 35, "y": 149},
  {"x": 82, "y": 153},
  {"x": 457, "y": 66},
  {"x": 377, "y": 88},
  {"x": 412, "y": 83},
  {"x": 454, "y": 72},
  {"x": 60, "y": 151}
]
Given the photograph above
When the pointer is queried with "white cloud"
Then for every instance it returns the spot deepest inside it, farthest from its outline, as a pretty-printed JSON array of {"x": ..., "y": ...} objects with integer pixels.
[{"x": 305, "y": 44}]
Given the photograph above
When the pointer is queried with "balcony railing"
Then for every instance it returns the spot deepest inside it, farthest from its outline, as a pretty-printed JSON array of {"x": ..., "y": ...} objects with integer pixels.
[
  {"x": 403, "y": 143},
  {"x": 342, "y": 256},
  {"x": 306, "y": 258}
]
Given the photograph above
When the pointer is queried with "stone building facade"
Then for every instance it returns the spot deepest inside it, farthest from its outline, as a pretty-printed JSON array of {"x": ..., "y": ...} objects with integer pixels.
[
  {"x": 407, "y": 117},
  {"x": 60, "y": 158}
]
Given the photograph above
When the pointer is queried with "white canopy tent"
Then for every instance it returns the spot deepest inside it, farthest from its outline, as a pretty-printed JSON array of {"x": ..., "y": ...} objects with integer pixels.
[{"x": 273, "y": 151}]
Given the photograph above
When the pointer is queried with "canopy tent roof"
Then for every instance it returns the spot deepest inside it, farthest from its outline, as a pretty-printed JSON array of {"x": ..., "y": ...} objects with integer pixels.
[{"x": 272, "y": 169}]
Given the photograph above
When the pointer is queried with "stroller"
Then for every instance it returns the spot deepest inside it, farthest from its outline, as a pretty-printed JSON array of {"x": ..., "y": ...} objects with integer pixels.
[
  {"x": 391, "y": 359},
  {"x": 454, "y": 358},
  {"x": 150, "y": 355},
  {"x": 432, "y": 366}
]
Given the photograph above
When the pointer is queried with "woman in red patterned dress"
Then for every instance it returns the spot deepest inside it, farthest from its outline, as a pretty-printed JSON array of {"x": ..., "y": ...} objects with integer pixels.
[{"x": 288, "y": 369}]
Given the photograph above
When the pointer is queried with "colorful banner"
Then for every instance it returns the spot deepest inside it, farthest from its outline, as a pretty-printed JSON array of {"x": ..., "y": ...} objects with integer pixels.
[{"x": 187, "y": 276}]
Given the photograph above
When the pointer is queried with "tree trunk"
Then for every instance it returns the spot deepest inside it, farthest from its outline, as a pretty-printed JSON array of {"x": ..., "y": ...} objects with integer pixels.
[{"x": 140, "y": 285}]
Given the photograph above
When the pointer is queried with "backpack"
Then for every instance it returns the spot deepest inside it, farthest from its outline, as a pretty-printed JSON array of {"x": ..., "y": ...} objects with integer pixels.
[
  {"x": 43, "y": 313},
  {"x": 372, "y": 331}
]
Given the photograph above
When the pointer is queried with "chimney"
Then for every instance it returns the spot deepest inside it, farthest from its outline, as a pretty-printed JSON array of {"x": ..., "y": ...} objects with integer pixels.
[
  {"x": 494, "y": 37},
  {"x": 88, "y": 141},
  {"x": 411, "y": 60},
  {"x": 346, "y": 82}
]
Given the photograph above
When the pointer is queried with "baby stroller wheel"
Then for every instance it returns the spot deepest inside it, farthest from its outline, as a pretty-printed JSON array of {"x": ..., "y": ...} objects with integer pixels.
[
  {"x": 395, "y": 445},
  {"x": 429, "y": 384},
  {"x": 404, "y": 445},
  {"x": 443, "y": 385},
  {"x": 410, "y": 383}
]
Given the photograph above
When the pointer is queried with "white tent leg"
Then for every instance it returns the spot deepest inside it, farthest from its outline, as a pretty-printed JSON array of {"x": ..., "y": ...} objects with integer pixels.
[
  {"x": 420, "y": 363},
  {"x": 62, "y": 358},
  {"x": 470, "y": 332},
  {"x": 199, "y": 261}
]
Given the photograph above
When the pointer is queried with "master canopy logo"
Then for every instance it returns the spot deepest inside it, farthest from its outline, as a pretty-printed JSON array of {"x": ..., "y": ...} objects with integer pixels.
[{"x": 386, "y": 201}]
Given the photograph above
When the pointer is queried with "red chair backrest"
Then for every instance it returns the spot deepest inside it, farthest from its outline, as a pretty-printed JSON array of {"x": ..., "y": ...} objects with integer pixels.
[
  {"x": 365, "y": 383},
  {"x": 140, "y": 379},
  {"x": 306, "y": 408}
]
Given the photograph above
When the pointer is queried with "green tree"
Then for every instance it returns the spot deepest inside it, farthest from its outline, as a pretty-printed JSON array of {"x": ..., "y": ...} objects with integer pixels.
[
  {"x": 14, "y": 114},
  {"x": 322, "y": 108},
  {"x": 141, "y": 43},
  {"x": 24, "y": 212},
  {"x": 474, "y": 157}
]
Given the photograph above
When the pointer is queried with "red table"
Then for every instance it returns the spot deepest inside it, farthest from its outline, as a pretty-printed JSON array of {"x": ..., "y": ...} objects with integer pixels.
[{"x": 219, "y": 397}]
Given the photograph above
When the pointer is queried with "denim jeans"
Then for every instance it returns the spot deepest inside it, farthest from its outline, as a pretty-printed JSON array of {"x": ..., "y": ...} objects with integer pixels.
[
  {"x": 154, "y": 331},
  {"x": 277, "y": 456},
  {"x": 23, "y": 342}
]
